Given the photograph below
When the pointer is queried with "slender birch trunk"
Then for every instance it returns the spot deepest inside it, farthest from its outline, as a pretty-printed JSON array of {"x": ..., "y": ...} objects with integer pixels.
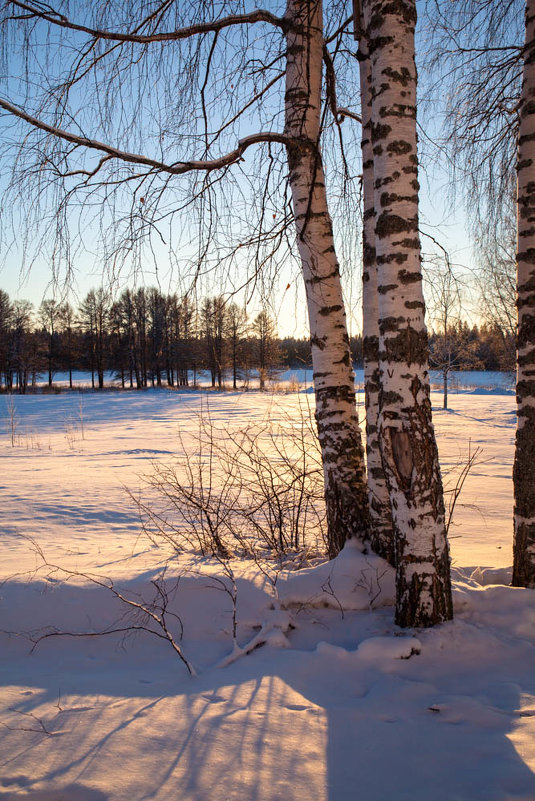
[
  {"x": 336, "y": 416},
  {"x": 381, "y": 533},
  {"x": 410, "y": 456},
  {"x": 524, "y": 464}
]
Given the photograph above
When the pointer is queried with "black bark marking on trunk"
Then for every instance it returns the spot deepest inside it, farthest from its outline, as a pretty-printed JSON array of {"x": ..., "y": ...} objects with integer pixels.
[
  {"x": 409, "y": 346},
  {"x": 527, "y": 256},
  {"x": 389, "y": 324},
  {"x": 401, "y": 110},
  {"x": 402, "y": 76},
  {"x": 386, "y": 288},
  {"x": 325, "y": 311},
  {"x": 388, "y": 198},
  {"x": 316, "y": 342},
  {"x": 399, "y": 147},
  {"x": 529, "y": 285},
  {"x": 397, "y": 258},
  {"x": 388, "y": 224},
  {"x": 405, "y": 11},
  {"x": 368, "y": 257},
  {"x": 405, "y": 277},
  {"x": 370, "y": 348},
  {"x": 526, "y": 330},
  {"x": 525, "y": 389},
  {"x": 411, "y": 244},
  {"x": 379, "y": 132},
  {"x": 414, "y": 304},
  {"x": 390, "y": 399},
  {"x": 319, "y": 279}
]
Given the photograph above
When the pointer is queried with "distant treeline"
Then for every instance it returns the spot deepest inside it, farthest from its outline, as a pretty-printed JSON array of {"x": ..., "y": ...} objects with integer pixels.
[{"x": 147, "y": 338}]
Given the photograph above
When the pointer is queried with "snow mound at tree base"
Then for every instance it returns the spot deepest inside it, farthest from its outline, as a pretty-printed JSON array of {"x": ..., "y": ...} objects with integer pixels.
[
  {"x": 375, "y": 649},
  {"x": 352, "y": 581}
]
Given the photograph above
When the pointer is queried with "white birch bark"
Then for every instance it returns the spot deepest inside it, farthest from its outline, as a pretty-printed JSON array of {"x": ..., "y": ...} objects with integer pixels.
[
  {"x": 336, "y": 416},
  {"x": 524, "y": 464},
  {"x": 381, "y": 533},
  {"x": 410, "y": 457}
]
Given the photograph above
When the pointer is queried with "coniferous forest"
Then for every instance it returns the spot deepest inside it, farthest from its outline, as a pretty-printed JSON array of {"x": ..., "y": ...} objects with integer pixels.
[{"x": 147, "y": 338}]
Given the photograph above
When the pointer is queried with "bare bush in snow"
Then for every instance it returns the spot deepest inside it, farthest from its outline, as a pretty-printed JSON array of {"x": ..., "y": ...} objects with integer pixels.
[{"x": 237, "y": 491}]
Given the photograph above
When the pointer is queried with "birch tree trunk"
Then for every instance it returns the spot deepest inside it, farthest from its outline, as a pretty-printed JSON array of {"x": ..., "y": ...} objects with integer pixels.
[
  {"x": 410, "y": 456},
  {"x": 381, "y": 534},
  {"x": 524, "y": 464},
  {"x": 336, "y": 416}
]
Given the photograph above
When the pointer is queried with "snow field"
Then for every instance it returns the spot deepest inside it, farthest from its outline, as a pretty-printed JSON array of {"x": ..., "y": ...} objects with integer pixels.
[{"x": 339, "y": 704}]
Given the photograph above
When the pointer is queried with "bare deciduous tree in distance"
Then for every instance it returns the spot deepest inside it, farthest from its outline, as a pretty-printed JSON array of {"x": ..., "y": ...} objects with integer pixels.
[
  {"x": 523, "y": 472},
  {"x": 444, "y": 305},
  {"x": 410, "y": 456},
  {"x": 50, "y": 315}
]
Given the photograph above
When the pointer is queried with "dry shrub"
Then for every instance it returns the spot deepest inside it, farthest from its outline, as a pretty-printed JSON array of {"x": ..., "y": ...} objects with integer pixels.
[{"x": 240, "y": 489}]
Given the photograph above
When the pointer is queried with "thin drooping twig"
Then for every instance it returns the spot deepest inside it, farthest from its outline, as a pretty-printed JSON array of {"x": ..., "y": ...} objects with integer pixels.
[
  {"x": 158, "y": 614},
  {"x": 179, "y": 168},
  {"x": 40, "y": 729},
  {"x": 55, "y": 18}
]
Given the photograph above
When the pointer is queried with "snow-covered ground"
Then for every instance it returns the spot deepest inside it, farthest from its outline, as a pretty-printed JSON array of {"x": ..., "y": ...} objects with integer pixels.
[{"x": 338, "y": 705}]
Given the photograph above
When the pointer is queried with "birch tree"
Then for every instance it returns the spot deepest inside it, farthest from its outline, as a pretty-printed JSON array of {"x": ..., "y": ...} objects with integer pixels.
[
  {"x": 339, "y": 434},
  {"x": 409, "y": 450},
  {"x": 492, "y": 84},
  {"x": 214, "y": 84},
  {"x": 523, "y": 472},
  {"x": 381, "y": 532}
]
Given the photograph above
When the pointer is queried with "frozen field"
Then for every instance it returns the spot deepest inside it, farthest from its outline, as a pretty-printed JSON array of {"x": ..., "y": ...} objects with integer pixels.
[
  {"x": 330, "y": 709},
  {"x": 458, "y": 380}
]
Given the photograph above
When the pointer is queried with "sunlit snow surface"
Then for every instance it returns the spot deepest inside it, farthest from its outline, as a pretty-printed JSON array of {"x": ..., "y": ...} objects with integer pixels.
[{"x": 350, "y": 708}]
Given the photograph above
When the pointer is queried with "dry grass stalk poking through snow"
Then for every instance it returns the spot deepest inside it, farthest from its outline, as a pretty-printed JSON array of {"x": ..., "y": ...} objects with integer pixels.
[{"x": 12, "y": 419}]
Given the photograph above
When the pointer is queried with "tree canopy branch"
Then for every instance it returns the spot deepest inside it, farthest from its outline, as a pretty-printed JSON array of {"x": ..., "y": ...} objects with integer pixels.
[
  {"x": 178, "y": 168},
  {"x": 55, "y": 18}
]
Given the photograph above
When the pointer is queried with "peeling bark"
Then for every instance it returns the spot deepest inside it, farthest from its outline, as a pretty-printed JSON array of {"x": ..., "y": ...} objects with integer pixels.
[
  {"x": 336, "y": 416},
  {"x": 410, "y": 456},
  {"x": 381, "y": 533},
  {"x": 524, "y": 463}
]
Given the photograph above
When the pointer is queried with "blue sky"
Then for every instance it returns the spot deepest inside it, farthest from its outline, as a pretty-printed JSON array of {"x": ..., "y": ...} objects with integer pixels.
[{"x": 437, "y": 217}]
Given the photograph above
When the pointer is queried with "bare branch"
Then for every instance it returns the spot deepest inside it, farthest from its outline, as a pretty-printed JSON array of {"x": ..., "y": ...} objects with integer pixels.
[
  {"x": 42, "y": 729},
  {"x": 55, "y": 18},
  {"x": 179, "y": 168},
  {"x": 330, "y": 76}
]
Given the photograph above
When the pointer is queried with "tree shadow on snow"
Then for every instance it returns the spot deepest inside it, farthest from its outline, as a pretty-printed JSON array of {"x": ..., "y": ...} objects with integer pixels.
[
  {"x": 71, "y": 792},
  {"x": 288, "y": 724}
]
